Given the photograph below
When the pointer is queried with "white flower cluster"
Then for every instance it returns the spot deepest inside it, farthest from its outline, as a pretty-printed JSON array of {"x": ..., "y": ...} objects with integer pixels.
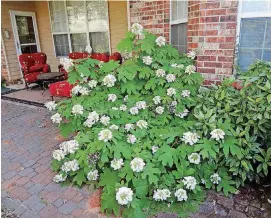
[
  {"x": 134, "y": 110},
  {"x": 180, "y": 66},
  {"x": 190, "y": 182},
  {"x": 161, "y": 194},
  {"x": 137, "y": 29},
  {"x": 157, "y": 100},
  {"x": 124, "y": 195},
  {"x": 215, "y": 178},
  {"x": 80, "y": 90},
  {"x": 171, "y": 91},
  {"x": 66, "y": 63},
  {"x": 116, "y": 164},
  {"x": 93, "y": 117},
  {"x": 194, "y": 158},
  {"x": 93, "y": 175},
  {"x": 190, "y": 69},
  {"x": 129, "y": 126},
  {"x": 185, "y": 93},
  {"x": 217, "y": 134},
  {"x": 105, "y": 120},
  {"x": 92, "y": 83},
  {"x": 137, "y": 164},
  {"x": 123, "y": 107},
  {"x": 181, "y": 194},
  {"x": 160, "y": 41},
  {"x": 59, "y": 178},
  {"x": 190, "y": 138},
  {"x": 109, "y": 80},
  {"x": 77, "y": 109},
  {"x": 56, "y": 118},
  {"x": 105, "y": 135},
  {"x": 191, "y": 54},
  {"x": 147, "y": 60},
  {"x": 114, "y": 127},
  {"x": 131, "y": 139},
  {"x": 154, "y": 149},
  {"x": 182, "y": 114},
  {"x": 69, "y": 147},
  {"x": 160, "y": 73},
  {"x": 50, "y": 105},
  {"x": 68, "y": 166},
  {"x": 170, "y": 78},
  {"x": 58, "y": 155},
  {"x": 112, "y": 97},
  {"x": 159, "y": 110},
  {"x": 141, "y": 105},
  {"x": 142, "y": 124}
]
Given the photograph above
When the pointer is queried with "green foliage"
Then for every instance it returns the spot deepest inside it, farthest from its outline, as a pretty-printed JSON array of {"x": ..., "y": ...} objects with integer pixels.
[{"x": 244, "y": 117}]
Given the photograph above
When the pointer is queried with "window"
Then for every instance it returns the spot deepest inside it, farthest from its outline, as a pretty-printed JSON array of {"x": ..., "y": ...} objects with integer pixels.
[
  {"x": 178, "y": 23},
  {"x": 255, "y": 32},
  {"x": 75, "y": 24}
]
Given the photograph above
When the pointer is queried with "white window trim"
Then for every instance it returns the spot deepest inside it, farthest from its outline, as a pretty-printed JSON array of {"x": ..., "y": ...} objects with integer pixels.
[
  {"x": 69, "y": 33},
  {"x": 241, "y": 15}
]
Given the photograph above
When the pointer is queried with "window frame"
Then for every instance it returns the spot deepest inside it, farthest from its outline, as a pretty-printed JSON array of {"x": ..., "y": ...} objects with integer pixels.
[
  {"x": 178, "y": 21},
  {"x": 69, "y": 33},
  {"x": 240, "y": 16}
]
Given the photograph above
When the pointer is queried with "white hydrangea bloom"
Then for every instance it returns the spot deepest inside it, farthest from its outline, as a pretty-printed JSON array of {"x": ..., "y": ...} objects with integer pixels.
[
  {"x": 161, "y": 194},
  {"x": 105, "y": 120},
  {"x": 190, "y": 138},
  {"x": 170, "y": 78},
  {"x": 137, "y": 29},
  {"x": 157, "y": 100},
  {"x": 194, "y": 158},
  {"x": 125, "y": 99},
  {"x": 174, "y": 103},
  {"x": 141, "y": 105},
  {"x": 93, "y": 175},
  {"x": 112, "y": 97},
  {"x": 50, "y": 105},
  {"x": 159, "y": 110},
  {"x": 147, "y": 60},
  {"x": 114, "y": 127},
  {"x": 89, "y": 123},
  {"x": 124, "y": 195},
  {"x": 190, "y": 182},
  {"x": 160, "y": 41},
  {"x": 215, "y": 178},
  {"x": 109, "y": 80},
  {"x": 129, "y": 126},
  {"x": 105, "y": 135},
  {"x": 181, "y": 194},
  {"x": 217, "y": 134},
  {"x": 142, "y": 124},
  {"x": 174, "y": 65},
  {"x": 76, "y": 89},
  {"x": 182, "y": 114},
  {"x": 180, "y": 66},
  {"x": 185, "y": 93},
  {"x": 137, "y": 164},
  {"x": 59, "y": 178},
  {"x": 116, "y": 164},
  {"x": 58, "y": 155},
  {"x": 190, "y": 69},
  {"x": 77, "y": 109},
  {"x": 94, "y": 116},
  {"x": 131, "y": 139},
  {"x": 92, "y": 83},
  {"x": 69, "y": 147},
  {"x": 154, "y": 149},
  {"x": 68, "y": 166},
  {"x": 123, "y": 107},
  {"x": 56, "y": 118},
  {"x": 134, "y": 111},
  {"x": 84, "y": 91},
  {"x": 191, "y": 54},
  {"x": 160, "y": 73},
  {"x": 203, "y": 181},
  {"x": 171, "y": 91}
]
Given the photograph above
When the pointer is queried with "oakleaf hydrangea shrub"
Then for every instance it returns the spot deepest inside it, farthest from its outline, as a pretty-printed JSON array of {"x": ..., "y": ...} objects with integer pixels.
[{"x": 136, "y": 135}]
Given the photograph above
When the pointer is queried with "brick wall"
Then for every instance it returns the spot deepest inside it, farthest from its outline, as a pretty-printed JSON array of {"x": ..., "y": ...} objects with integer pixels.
[
  {"x": 4, "y": 70},
  {"x": 153, "y": 15},
  {"x": 212, "y": 33}
]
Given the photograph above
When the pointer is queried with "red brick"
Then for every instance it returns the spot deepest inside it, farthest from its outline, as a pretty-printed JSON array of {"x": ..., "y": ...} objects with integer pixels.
[
  {"x": 216, "y": 12},
  {"x": 212, "y": 64},
  {"x": 225, "y": 59},
  {"x": 228, "y": 18},
  {"x": 69, "y": 194},
  {"x": 206, "y": 70},
  {"x": 212, "y": 5},
  {"x": 215, "y": 39},
  {"x": 95, "y": 199},
  {"x": 206, "y": 58},
  {"x": 77, "y": 212},
  {"x": 227, "y": 46},
  {"x": 48, "y": 211}
]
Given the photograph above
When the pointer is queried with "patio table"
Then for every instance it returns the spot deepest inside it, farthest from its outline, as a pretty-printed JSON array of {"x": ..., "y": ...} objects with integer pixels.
[{"x": 48, "y": 78}]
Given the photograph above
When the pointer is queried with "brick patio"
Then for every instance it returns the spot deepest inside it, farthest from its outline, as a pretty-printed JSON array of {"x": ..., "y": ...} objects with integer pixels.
[{"x": 28, "y": 138}]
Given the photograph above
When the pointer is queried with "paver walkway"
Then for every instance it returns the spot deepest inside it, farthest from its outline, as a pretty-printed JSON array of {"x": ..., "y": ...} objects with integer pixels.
[{"x": 28, "y": 139}]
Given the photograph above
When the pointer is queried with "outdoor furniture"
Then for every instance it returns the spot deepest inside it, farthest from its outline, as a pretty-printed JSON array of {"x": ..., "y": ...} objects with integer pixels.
[
  {"x": 32, "y": 65},
  {"x": 48, "y": 78}
]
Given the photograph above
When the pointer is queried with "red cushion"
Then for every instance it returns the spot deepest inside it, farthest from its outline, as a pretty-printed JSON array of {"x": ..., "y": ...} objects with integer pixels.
[
  {"x": 116, "y": 57},
  {"x": 79, "y": 55},
  {"x": 46, "y": 68},
  {"x": 39, "y": 58},
  {"x": 26, "y": 60},
  {"x": 32, "y": 77},
  {"x": 100, "y": 57},
  {"x": 35, "y": 68},
  {"x": 61, "y": 89}
]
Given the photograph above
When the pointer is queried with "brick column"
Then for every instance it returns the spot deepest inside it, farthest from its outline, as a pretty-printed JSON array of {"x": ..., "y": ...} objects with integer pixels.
[
  {"x": 212, "y": 33},
  {"x": 153, "y": 15},
  {"x": 4, "y": 70}
]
